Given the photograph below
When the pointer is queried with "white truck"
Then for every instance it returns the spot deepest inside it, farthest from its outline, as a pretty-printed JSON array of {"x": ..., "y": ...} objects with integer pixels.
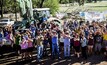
[{"x": 6, "y": 22}]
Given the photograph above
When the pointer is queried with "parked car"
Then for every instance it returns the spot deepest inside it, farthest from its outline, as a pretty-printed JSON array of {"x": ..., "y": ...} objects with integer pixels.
[{"x": 6, "y": 22}]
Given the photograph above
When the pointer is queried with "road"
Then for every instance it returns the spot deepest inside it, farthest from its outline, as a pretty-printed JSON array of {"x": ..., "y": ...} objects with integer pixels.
[{"x": 12, "y": 59}]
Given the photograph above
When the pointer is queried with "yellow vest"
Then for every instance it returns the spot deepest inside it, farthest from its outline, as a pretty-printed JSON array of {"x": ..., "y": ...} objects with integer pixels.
[{"x": 105, "y": 36}]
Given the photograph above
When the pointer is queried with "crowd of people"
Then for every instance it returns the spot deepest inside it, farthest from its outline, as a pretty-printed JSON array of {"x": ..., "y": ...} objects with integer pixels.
[{"x": 84, "y": 38}]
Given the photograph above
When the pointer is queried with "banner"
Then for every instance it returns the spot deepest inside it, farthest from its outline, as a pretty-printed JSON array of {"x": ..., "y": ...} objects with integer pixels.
[
  {"x": 94, "y": 16},
  {"x": 105, "y": 14},
  {"x": 82, "y": 14}
]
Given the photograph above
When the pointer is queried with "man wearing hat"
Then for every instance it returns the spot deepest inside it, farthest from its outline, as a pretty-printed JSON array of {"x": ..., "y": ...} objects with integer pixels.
[
  {"x": 55, "y": 45},
  {"x": 66, "y": 36}
]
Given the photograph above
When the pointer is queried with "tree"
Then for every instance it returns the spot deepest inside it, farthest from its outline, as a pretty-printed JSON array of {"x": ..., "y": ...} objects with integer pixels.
[
  {"x": 1, "y": 2},
  {"x": 52, "y": 4},
  {"x": 41, "y": 4}
]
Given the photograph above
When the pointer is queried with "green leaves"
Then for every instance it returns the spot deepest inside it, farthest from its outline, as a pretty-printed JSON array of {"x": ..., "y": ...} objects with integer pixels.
[{"x": 52, "y": 4}]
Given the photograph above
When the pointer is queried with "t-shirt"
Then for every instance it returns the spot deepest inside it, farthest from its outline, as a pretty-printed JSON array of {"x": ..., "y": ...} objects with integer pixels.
[
  {"x": 66, "y": 41},
  {"x": 40, "y": 40},
  {"x": 5, "y": 33},
  {"x": 98, "y": 38},
  {"x": 86, "y": 33},
  {"x": 83, "y": 42},
  {"x": 33, "y": 29},
  {"x": 17, "y": 40},
  {"x": 24, "y": 45},
  {"x": 30, "y": 44},
  {"x": 1, "y": 37},
  {"x": 61, "y": 39}
]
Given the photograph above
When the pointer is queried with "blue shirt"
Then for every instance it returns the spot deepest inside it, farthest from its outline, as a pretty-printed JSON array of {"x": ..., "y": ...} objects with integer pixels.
[
  {"x": 66, "y": 41},
  {"x": 5, "y": 34},
  {"x": 54, "y": 40},
  {"x": 33, "y": 29},
  {"x": 83, "y": 42},
  {"x": 0, "y": 35}
]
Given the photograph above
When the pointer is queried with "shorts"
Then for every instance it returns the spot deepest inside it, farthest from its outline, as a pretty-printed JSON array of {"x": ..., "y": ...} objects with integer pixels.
[
  {"x": 23, "y": 50},
  {"x": 98, "y": 47},
  {"x": 77, "y": 48},
  {"x": 30, "y": 49},
  {"x": 105, "y": 43},
  {"x": 16, "y": 47},
  {"x": 7, "y": 48}
]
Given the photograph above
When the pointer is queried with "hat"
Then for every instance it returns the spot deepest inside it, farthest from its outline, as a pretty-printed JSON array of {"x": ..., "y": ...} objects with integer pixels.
[
  {"x": 67, "y": 32},
  {"x": 44, "y": 31},
  {"x": 53, "y": 31}
]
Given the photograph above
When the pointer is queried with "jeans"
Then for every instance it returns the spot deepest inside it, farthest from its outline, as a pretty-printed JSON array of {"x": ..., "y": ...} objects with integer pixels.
[
  {"x": 55, "y": 50},
  {"x": 45, "y": 50},
  {"x": 84, "y": 52},
  {"x": 39, "y": 52},
  {"x": 66, "y": 50},
  {"x": 98, "y": 47}
]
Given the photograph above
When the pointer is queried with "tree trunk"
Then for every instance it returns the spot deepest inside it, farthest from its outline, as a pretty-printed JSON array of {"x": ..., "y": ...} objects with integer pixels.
[
  {"x": 15, "y": 10},
  {"x": 1, "y": 2},
  {"x": 41, "y": 4},
  {"x": 95, "y": 1},
  {"x": 60, "y": 1}
]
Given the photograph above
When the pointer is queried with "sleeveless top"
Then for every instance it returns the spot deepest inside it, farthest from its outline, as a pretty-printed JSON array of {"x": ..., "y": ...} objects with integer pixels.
[
  {"x": 30, "y": 44},
  {"x": 91, "y": 41},
  {"x": 24, "y": 45},
  {"x": 76, "y": 43}
]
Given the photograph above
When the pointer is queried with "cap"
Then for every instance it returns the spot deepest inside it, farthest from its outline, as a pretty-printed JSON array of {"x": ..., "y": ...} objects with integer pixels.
[
  {"x": 53, "y": 31},
  {"x": 67, "y": 32},
  {"x": 44, "y": 31}
]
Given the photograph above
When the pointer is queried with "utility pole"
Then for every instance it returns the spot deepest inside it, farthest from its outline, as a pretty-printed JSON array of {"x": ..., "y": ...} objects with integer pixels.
[{"x": 15, "y": 10}]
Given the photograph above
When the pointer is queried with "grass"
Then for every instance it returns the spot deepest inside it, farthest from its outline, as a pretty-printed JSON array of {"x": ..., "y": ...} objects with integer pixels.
[{"x": 99, "y": 6}]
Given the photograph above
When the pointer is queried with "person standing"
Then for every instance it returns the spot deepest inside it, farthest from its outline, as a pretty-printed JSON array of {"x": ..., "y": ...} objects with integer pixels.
[
  {"x": 66, "y": 44},
  {"x": 39, "y": 46},
  {"x": 24, "y": 47},
  {"x": 90, "y": 44},
  {"x": 45, "y": 43},
  {"x": 16, "y": 46},
  {"x": 30, "y": 46},
  {"x": 77, "y": 45},
  {"x": 61, "y": 42},
  {"x": 84, "y": 46},
  {"x": 33, "y": 30},
  {"x": 98, "y": 42},
  {"x": 1, "y": 42},
  {"x": 105, "y": 42},
  {"x": 55, "y": 45}
]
